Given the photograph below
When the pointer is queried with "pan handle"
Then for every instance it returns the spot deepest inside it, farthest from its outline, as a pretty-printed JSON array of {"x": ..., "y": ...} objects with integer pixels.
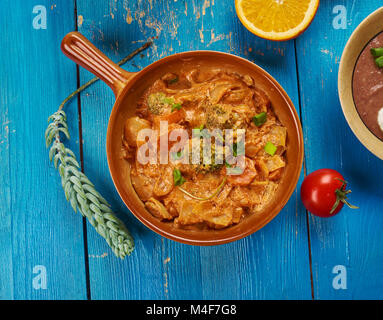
[{"x": 79, "y": 49}]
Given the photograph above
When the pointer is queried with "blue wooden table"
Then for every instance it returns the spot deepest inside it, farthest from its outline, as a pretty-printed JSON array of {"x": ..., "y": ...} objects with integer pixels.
[{"x": 49, "y": 252}]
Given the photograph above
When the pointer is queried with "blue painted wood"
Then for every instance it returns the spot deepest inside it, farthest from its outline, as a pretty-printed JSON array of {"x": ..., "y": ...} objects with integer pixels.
[
  {"x": 38, "y": 227},
  {"x": 351, "y": 239},
  {"x": 274, "y": 262}
]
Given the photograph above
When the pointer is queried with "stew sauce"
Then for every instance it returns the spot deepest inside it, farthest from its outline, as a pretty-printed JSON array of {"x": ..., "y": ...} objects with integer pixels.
[{"x": 199, "y": 194}]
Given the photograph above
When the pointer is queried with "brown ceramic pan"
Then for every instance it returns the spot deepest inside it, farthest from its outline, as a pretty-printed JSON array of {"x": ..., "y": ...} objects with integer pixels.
[{"x": 128, "y": 87}]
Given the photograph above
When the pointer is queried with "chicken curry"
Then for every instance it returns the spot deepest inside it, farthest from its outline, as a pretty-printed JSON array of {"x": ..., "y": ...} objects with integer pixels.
[{"x": 193, "y": 192}]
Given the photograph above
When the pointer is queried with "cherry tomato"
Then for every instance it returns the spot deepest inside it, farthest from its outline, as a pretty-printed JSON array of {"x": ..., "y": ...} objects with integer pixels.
[{"x": 323, "y": 193}]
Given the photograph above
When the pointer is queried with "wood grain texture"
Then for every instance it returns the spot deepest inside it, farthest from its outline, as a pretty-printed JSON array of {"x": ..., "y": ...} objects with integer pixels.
[
  {"x": 38, "y": 227},
  {"x": 274, "y": 262},
  {"x": 352, "y": 238}
]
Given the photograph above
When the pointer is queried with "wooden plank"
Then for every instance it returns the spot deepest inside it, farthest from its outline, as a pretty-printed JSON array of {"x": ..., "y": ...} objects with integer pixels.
[
  {"x": 98, "y": 23},
  {"x": 350, "y": 239},
  {"x": 6, "y": 283},
  {"x": 271, "y": 264},
  {"x": 39, "y": 232}
]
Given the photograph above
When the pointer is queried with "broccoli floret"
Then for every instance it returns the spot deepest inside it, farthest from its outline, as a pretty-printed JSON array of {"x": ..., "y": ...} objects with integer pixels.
[
  {"x": 218, "y": 118},
  {"x": 214, "y": 164},
  {"x": 158, "y": 102},
  {"x": 205, "y": 168}
]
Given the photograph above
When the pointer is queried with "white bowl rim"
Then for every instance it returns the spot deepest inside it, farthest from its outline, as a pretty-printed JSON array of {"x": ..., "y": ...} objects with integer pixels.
[{"x": 354, "y": 44}]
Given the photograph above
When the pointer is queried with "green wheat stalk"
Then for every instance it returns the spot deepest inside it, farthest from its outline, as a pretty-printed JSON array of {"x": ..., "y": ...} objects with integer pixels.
[{"x": 78, "y": 189}]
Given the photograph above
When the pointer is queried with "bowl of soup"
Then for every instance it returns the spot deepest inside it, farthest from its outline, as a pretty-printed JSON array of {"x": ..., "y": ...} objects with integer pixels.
[{"x": 360, "y": 82}]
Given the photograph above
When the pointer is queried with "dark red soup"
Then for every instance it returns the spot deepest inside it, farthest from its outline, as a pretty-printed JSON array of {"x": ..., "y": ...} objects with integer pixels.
[{"x": 368, "y": 87}]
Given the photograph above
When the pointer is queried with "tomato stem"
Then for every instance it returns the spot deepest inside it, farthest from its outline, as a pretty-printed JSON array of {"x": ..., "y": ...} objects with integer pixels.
[{"x": 341, "y": 196}]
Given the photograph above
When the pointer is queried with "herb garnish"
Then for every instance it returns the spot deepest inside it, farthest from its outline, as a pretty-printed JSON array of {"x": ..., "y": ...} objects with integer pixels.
[
  {"x": 260, "y": 119},
  {"x": 172, "y": 81},
  {"x": 177, "y": 155},
  {"x": 215, "y": 193},
  {"x": 378, "y": 54},
  {"x": 235, "y": 146},
  {"x": 270, "y": 148},
  {"x": 176, "y": 106},
  {"x": 179, "y": 180}
]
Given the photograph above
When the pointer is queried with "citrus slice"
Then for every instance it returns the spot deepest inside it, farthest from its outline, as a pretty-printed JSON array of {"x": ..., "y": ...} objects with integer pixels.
[{"x": 276, "y": 19}]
